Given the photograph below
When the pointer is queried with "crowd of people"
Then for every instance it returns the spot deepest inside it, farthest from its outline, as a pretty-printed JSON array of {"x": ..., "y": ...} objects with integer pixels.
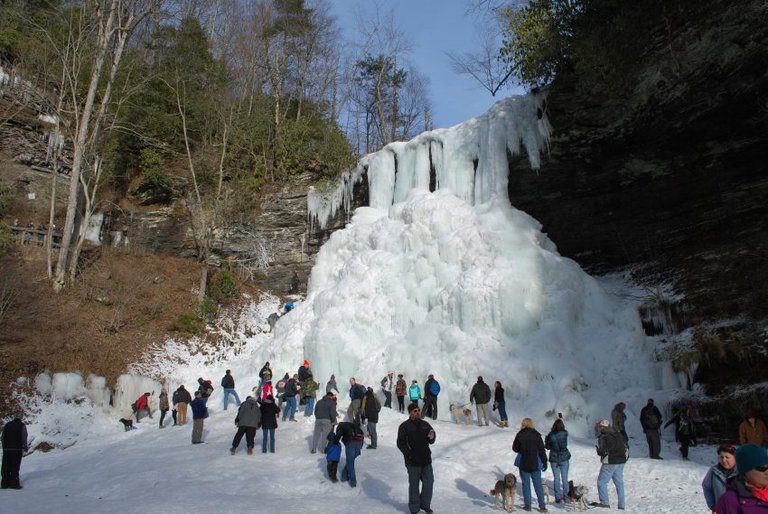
[{"x": 738, "y": 483}]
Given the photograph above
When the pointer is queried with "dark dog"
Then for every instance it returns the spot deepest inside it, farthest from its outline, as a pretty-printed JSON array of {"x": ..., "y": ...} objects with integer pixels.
[
  {"x": 127, "y": 424},
  {"x": 579, "y": 495},
  {"x": 506, "y": 489}
]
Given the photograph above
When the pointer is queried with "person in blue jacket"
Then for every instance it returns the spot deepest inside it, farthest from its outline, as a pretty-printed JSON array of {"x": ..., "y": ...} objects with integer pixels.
[{"x": 714, "y": 481}]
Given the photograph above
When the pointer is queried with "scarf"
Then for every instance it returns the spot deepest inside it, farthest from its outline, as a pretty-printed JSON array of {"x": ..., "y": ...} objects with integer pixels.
[{"x": 760, "y": 494}]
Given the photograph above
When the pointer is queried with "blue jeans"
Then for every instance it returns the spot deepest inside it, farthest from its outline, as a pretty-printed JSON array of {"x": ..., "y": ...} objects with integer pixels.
[
  {"x": 309, "y": 407},
  {"x": 227, "y": 392},
  {"x": 527, "y": 476},
  {"x": 423, "y": 474},
  {"x": 290, "y": 407},
  {"x": 502, "y": 408},
  {"x": 268, "y": 432},
  {"x": 560, "y": 470},
  {"x": 613, "y": 472},
  {"x": 351, "y": 451},
  {"x": 372, "y": 431}
]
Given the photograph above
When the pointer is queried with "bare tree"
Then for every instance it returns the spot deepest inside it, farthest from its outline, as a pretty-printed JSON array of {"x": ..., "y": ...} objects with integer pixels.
[
  {"x": 111, "y": 22},
  {"x": 485, "y": 65}
]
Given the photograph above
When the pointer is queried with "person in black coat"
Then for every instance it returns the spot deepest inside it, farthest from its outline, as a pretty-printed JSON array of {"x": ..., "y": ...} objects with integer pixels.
[
  {"x": 371, "y": 407},
  {"x": 481, "y": 396},
  {"x": 269, "y": 413},
  {"x": 430, "y": 399},
  {"x": 14, "y": 445},
  {"x": 531, "y": 460},
  {"x": 684, "y": 430},
  {"x": 414, "y": 436},
  {"x": 650, "y": 420},
  {"x": 351, "y": 434}
]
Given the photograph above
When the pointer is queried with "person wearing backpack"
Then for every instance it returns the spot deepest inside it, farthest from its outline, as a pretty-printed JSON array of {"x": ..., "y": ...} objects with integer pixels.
[
  {"x": 351, "y": 434},
  {"x": 371, "y": 407},
  {"x": 431, "y": 390},
  {"x": 612, "y": 450},
  {"x": 650, "y": 420},
  {"x": 386, "y": 388}
]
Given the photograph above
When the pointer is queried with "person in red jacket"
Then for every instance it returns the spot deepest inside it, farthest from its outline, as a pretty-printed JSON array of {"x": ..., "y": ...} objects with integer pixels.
[{"x": 141, "y": 407}]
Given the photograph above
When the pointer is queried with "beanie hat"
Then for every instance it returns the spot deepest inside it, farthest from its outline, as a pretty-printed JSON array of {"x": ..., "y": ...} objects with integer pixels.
[
  {"x": 750, "y": 456},
  {"x": 412, "y": 407},
  {"x": 306, "y": 363},
  {"x": 603, "y": 423},
  {"x": 333, "y": 377},
  {"x": 750, "y": 414}
]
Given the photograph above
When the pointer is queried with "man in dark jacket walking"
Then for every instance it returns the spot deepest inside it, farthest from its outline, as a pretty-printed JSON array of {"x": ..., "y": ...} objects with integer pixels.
[
  {"x": 612, "y": 450},
  {"x": 481, "y": 397},
  {"x": 228, "y": 384},
  {"x": 181, "y": 400},
  {"x": 199, "y": 413},
  {"x": 14, "y": 445},
  {"x": 650, "y": 419},
  {"x": 325, "y": 418},
  {"x": 431, "y": 390},
  {"x": 413, "y": 439},
  {"x": 248, "y": 420}
]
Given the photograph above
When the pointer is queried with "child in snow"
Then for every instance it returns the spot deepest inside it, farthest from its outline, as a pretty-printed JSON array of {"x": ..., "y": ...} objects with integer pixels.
[{"x": 332, "y": 456}]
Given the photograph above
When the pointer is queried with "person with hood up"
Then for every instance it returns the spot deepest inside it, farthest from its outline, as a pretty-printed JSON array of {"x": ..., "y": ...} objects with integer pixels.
[
  {"x": 481, "y": 397},
  {"x": 531, "y": 460},
  {"x": 14, "y": 443},
  {"x": 718, "y": 475},
  {"x": 747, "y": 493},
  {"x": 247, "y": 421},
  {"x": 650, "y": 420}
]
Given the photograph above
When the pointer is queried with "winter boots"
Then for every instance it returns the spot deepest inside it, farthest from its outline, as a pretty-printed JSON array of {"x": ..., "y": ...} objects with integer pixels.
[{"x": 232, "y": 451}]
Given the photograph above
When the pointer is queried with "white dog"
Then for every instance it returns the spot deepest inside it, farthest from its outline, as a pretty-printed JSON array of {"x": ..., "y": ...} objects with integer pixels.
[{"x": 460, "y": 413}]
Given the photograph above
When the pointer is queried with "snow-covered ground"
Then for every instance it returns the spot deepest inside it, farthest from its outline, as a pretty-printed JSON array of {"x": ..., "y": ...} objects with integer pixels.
[{"x": 151, "y": 470}]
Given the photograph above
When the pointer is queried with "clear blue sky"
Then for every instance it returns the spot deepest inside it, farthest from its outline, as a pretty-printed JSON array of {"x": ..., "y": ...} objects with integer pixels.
[{"x": 434, "y": 27}]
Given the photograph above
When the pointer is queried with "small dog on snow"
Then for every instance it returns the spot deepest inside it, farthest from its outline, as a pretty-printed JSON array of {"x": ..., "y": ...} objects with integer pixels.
[
  {"x": 460, "y": 413},
  {"x": 506, "y": 489},
  {"x": 545, "y": 487},
  {"x": 127, "y": 424},
  {"x": 580, "y": 496}
]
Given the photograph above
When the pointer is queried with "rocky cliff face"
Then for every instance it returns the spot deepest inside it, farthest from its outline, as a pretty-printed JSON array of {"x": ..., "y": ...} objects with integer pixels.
[{"x": 668, "y": 178}]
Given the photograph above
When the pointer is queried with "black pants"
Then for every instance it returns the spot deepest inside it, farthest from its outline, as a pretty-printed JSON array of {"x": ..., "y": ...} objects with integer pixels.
[
  {"x": 162, "y": 415},
  {"x": 333, "y": 466},
  {"x": 685, "y": 442},
  {"x": 388, "y": 399},
  {"x": 173, "y": 415},
  {"x": 249, "y": 432},
  {"x": 401, "y": 403},
  {"x": 430, "y": 406},
  {"x": 11, "y": 466}
]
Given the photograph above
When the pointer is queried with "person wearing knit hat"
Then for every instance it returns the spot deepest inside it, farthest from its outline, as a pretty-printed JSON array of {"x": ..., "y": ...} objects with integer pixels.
[
  {"x": 304, "y": 372},
  {"x": 753, "y": 430},
  {"x": 748, "y": 492}
]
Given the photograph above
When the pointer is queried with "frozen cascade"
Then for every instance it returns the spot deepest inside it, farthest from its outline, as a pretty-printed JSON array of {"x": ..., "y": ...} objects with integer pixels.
[{"x": 458, "y": 283}]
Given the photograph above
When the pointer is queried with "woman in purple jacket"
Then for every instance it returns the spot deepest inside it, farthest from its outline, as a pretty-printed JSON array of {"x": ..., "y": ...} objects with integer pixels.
[{"x": 747, "y": 493}]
